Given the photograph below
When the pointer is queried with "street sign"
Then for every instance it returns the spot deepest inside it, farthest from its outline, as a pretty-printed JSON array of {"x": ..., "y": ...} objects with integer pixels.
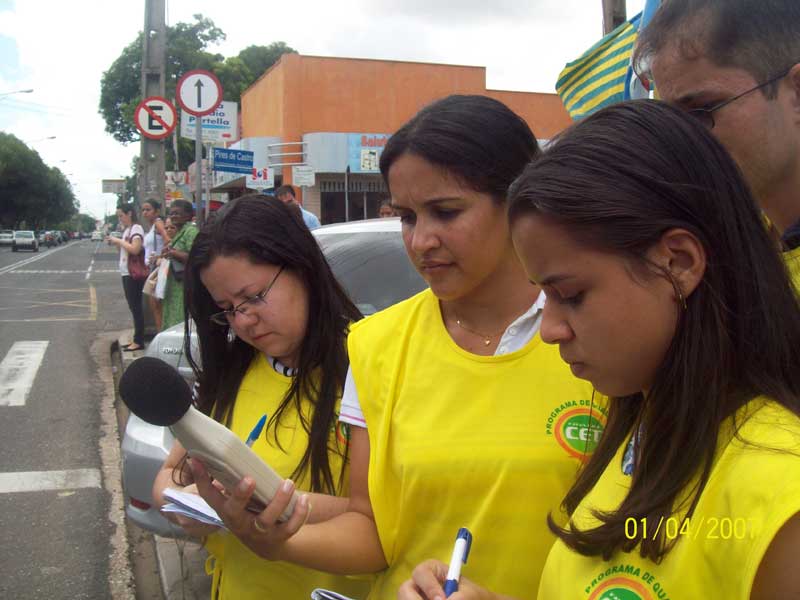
[
  {"x": 222, "y": 125},
  {"x": 232, "y": 160},
  {"x": 199, "y": 92},
  {"x": 303, "y": 176},
  {"x": 260, "y": 178},
  {"x": 113, "y": 186},
  {"x": 155, "y": 117}
]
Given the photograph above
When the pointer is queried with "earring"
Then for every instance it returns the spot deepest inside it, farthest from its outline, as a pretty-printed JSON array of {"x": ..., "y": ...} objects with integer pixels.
[
  {"x": 231, "y": 335},
  {"x": 681, "y": 298}
]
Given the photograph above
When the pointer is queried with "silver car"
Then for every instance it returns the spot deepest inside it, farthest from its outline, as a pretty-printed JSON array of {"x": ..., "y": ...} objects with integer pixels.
[
  {"x": 369, "y": 260},
  {"x": 6, "y": 237}
]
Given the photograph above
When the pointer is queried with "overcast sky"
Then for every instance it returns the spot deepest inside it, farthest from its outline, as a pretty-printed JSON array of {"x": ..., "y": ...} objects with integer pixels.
[{"x": 61, "y": 49}]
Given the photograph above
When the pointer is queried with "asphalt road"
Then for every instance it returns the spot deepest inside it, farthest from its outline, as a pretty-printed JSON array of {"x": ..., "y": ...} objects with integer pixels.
[{"x": 60, "y": 512}]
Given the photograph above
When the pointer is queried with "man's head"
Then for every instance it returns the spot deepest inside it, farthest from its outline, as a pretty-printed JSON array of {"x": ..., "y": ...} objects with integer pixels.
[
  {"x": 702, "y": 53},
  {"x": 285, "y": 194}
]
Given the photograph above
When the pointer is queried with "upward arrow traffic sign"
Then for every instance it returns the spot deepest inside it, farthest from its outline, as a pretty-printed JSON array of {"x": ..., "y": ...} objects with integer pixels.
[{"x": 199, "y": 92}]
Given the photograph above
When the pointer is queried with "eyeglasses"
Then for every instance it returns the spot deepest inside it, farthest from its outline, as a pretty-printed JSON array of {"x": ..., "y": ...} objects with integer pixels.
[
  {"x": 706, "y": 115},
  {"x": 245, "y": 307}
]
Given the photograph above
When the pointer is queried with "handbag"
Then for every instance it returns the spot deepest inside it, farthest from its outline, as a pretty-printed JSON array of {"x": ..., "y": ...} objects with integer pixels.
[
  {"x": 136, "y": 267},
  {"x": 150, "y": 283}
]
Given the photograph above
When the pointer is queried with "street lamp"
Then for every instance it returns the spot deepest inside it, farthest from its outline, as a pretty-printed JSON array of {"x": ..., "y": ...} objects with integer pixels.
[
  {"x": 16, "y": 92},
  {"x": 51, "y": 137}
]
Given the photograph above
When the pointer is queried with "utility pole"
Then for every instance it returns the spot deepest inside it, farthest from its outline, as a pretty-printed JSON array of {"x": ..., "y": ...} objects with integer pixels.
[
  {"x": 154, "y": 44},
  {"x": 614, "y": 15}
]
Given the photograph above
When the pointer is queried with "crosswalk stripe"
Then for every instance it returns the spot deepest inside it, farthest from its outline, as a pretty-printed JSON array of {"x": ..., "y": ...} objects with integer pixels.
[
  {"x": 18, "y": 370},
  {"x": 40, "y": 481},
  {"x": 57, "y": 272}
]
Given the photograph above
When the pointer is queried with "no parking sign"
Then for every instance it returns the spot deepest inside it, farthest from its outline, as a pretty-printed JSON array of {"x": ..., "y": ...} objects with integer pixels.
[{"x": 155, "y": 117}]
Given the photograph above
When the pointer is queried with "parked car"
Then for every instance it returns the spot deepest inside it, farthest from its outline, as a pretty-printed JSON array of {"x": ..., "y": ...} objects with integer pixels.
[
  {"x": 24, "y": 240},
  {"x": 97, "y": 236},
  {"x": 369, "y": 260},
  {"x": 50, "y": 239},
  {"x": 6, "y": 237},
  {"x": 40, "y": 235}
]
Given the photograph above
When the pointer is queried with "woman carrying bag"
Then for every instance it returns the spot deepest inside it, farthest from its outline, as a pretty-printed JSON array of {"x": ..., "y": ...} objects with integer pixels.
[
  {"x": 177, "y": 252},
  {"x": 154, "y": 241},
  {"x": 133, "y": 270}
]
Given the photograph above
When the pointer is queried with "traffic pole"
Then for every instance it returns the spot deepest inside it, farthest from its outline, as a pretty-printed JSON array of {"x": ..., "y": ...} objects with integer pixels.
[{"x": 198, "y": 160}]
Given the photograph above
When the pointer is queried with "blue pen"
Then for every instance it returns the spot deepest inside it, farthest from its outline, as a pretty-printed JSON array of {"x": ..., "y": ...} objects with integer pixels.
[
  {"x": 251, "y": 439},
  {"x": 460, "y": 553}
]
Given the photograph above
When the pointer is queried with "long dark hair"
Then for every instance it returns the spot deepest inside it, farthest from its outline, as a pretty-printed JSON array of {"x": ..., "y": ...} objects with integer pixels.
[
  {"x": 266, "y": 231},
  {"x": 617, "y": 181},
  {"x": 476, "y": 138}
]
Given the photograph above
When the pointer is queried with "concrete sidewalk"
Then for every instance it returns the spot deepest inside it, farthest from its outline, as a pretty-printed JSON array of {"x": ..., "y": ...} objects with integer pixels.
[{"x": 181, "y": 563}]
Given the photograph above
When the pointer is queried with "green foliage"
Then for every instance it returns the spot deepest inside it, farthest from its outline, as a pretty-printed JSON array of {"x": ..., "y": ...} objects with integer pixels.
[{"x": 30, "y": 191}]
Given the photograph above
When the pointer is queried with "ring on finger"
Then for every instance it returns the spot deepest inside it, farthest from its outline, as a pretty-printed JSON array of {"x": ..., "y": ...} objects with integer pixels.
[{"x": 258, "y": 526}]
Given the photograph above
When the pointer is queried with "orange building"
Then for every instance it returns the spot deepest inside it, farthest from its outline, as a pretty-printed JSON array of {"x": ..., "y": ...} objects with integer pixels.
[{"x": 334, "y": 115}]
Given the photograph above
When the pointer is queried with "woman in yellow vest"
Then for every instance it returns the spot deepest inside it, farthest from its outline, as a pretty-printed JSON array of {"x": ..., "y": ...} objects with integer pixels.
[
  {"x": 666, "y": 292},
  {"x": 460, "y": 416},
  {"x": 271, "y": 321}
]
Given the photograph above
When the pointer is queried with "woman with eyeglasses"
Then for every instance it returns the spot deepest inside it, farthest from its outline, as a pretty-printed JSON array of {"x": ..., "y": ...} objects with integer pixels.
[
  {"x": 272, "y": 322},
  {"x": 177, "y": 252}
]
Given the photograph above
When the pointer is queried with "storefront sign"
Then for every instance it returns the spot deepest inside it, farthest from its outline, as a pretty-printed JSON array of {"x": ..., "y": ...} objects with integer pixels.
[
  {"x": 219, "y": 126},
  {"x": 364, "y": 151}
]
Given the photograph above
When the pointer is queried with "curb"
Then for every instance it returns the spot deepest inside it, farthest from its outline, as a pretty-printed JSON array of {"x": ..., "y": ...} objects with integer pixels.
[{"x": 181, "y": 562}]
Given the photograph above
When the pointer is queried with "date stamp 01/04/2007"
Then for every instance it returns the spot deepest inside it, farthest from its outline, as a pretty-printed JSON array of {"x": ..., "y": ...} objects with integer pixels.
[{"x": 710, "y": 528}]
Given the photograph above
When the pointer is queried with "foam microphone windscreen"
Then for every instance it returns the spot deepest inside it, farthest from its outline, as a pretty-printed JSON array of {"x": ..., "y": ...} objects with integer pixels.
[{"x": 154, "y": 391}]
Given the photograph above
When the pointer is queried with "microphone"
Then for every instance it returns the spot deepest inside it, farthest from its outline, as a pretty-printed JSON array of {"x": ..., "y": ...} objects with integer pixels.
[{"x": 156, "y": 393}]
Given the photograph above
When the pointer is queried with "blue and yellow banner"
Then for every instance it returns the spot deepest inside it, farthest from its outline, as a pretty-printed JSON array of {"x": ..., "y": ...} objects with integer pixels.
[{"x": 598, "y": 77}]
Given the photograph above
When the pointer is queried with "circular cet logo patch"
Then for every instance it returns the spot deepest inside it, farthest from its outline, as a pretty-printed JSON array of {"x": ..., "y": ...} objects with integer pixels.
[
  {"x": 578, "y": 431},
  {"x": 621, "y": 588}
]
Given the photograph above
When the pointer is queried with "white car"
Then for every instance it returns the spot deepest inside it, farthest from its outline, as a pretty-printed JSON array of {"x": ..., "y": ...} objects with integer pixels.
[
  {"x": 369, "y": 260},
  {"x": 24, "y": 240},
  {"x": 6, "y": 237},
  {"x": 97, "y": 236}
]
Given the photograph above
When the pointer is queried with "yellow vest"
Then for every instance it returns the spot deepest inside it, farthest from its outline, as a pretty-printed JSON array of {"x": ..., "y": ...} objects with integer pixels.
[
  {"x": 754, "y": 488},
  {"x": 491, "y": 443},
  {"x": 792, "y": 260},
  {"x": 238, "y": 573}
]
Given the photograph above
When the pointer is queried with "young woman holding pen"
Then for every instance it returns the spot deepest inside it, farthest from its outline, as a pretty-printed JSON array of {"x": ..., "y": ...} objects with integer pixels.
[
  {"x": 271, "y": 321},
  {"x": 639, "y": 227},
  {"x": 452, "y": 397}
]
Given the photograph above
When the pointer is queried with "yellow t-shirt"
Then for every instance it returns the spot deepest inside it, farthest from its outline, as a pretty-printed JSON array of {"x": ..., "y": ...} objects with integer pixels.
[
  {"x": 792, "y": 260},
  {"x": 238, "y": 573},
  {"x": 753, "y": 489},
  {"x": 491, "y": 443}
]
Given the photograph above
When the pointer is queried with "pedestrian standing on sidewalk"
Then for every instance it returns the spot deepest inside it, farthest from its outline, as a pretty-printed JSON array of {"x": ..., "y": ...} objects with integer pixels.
[
  {"x": 177, "y": 252},
  {"x": 271, "y": 322},
  {"x": 131, "y": 243},
  {"x": 154, "y": 241}
]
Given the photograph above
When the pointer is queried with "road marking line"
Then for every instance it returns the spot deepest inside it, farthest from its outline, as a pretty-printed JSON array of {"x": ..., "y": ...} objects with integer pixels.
[
  {"x": 45, "y": 320},
  {"x": 39, "y": 256},
  {"x": 92, "y": 303},
  {"x": 55, "y": 272},
  {"x": 19, "y": 289},
  {"x": 18, "y": 370},
  {"x": 47, "y": 481}
]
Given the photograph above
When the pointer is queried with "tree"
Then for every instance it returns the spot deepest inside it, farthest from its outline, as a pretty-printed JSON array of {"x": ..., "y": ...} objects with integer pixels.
[{"x": 30, "y": 191}]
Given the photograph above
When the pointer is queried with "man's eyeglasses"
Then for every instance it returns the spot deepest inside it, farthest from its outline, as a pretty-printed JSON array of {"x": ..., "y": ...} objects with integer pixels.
[
  {"x": 706, "y": 115},
  {"x": 246, "y": 306}
]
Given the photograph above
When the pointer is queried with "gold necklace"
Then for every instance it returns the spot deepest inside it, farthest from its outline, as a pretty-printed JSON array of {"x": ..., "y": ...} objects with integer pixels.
[{"x": 487, "y": 339}]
